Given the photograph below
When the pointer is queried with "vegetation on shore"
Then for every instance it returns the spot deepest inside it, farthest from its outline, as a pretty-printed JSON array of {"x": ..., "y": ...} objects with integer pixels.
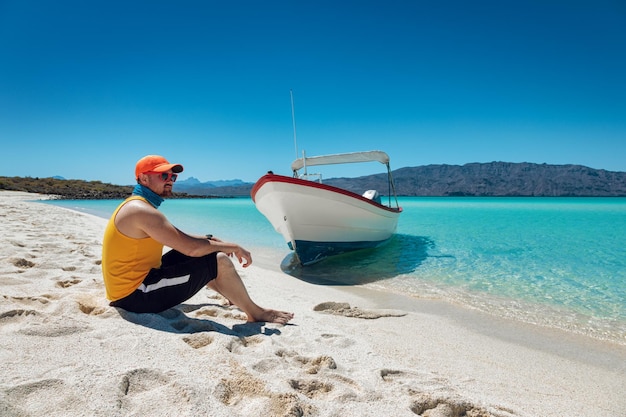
[{"x": 72, "y": 189}]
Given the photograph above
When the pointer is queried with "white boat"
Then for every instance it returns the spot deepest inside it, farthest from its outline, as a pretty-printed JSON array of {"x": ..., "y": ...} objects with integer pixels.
[{"x": 318, "y": 220}]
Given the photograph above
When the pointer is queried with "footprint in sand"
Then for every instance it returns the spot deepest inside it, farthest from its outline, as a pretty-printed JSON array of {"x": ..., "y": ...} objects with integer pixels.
[
  {"x": 22, "y": 263},
  {"x": 309, "y": 365},
  {"x": 432, "y": 405},
  {"x": 55, "y": 329},
  {"x": 335, "y": 385},
  {"x": 390, "y": 374},
  {"x": 93, "y": 305},
  {"x": 141, "y": 380},
  {"x": 198, "y": 340},
  {"x": 138, "y": 389},
  {"x": 41, "y": 398},
  {"x": 236, "y": 344},
  {"x": 311, "y": 388},
  {"x": 409, "y": 379},
  {"x": 241, "y": 387},
  {"x": 18, "y": 319},
  {"x": 68, "y": 283},
  {"x": 30, "y": 300},
  {"x": 344, "y": 309},
  {"x": 34, "y": 323},
  {"x": 16, "y": 314},
  {"x": 233, "y": 344},
  {"x": 301, "y": 367},
  {"x": 427, "y": 405},
  {"x": 335, "y": 340}
]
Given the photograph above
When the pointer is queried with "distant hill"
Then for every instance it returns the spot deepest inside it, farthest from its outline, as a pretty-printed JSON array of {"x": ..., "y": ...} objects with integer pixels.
[
  {"x": 194, "y": 186},
  {"x": 495, "y": 179}
]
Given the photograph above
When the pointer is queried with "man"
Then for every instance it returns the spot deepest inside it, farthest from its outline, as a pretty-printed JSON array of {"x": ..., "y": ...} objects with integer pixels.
[{"x": 140, "y": 279}]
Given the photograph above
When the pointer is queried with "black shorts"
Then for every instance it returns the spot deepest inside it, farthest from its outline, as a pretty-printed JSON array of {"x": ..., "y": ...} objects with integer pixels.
[{"x": 178, "y": 279}]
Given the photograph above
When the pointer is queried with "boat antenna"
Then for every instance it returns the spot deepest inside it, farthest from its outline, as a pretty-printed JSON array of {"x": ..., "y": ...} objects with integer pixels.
[{"x": 293, "y": 120}]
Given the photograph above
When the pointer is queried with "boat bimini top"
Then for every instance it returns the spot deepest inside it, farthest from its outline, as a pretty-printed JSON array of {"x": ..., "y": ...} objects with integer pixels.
[{"x": 340, "y": 158}]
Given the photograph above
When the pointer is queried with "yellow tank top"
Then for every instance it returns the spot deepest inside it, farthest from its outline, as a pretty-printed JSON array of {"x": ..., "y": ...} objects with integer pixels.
[{"x": 126, "y": 261}]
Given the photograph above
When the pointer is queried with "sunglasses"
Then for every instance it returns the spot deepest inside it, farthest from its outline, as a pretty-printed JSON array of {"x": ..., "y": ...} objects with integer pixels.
[{"x": 165, "y": 176}]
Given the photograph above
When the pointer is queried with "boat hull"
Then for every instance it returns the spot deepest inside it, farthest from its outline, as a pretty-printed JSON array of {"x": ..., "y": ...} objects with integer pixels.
[{"x": 317, "y": 220}]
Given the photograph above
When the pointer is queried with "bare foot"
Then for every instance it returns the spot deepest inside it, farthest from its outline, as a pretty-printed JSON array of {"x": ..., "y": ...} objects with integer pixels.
[{"x": 272, "y": 316}]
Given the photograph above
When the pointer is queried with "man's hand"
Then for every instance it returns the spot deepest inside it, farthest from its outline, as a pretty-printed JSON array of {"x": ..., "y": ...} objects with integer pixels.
[{"x": 244, "y": 257}]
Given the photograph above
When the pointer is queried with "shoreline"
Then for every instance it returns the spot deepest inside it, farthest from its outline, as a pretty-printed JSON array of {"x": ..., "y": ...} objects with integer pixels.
[
  {"x": 549, "y": 318},
  {"x": 549, "y": 339},
  {"x": 349, "y": 351}
]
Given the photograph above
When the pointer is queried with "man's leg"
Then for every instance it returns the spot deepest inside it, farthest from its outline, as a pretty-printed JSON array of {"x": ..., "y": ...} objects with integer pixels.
[
  {"x": 179, "y": 278},
  {"x": 229, "y": 284}
]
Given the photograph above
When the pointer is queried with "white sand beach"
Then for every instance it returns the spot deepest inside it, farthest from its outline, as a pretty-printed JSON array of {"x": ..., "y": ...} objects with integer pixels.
[{"x": 348, "y": 352}]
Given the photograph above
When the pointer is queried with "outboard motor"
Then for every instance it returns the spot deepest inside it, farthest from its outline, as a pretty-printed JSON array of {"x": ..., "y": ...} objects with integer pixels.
[{"x": 372, "y": 195}]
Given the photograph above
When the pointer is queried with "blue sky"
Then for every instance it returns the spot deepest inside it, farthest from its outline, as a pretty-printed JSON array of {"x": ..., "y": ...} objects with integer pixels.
[{"x": 89, "y": 87}]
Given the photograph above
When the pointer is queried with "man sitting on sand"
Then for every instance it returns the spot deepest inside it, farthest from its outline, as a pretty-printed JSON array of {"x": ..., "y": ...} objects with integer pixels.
[{"x": 140, "y": 279}]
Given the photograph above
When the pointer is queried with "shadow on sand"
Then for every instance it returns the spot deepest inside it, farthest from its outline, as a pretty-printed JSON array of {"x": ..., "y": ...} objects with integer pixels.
[
  {"x": 176, "y": 320},
  {"x": 403, "y": 254}
]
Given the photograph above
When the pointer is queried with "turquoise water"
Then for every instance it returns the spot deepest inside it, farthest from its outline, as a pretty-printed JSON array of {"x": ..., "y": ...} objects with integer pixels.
[{"x": 557, "y": 262}]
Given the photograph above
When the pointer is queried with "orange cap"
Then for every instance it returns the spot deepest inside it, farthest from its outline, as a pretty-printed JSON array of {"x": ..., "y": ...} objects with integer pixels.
[{"x": 155, "y": 163}]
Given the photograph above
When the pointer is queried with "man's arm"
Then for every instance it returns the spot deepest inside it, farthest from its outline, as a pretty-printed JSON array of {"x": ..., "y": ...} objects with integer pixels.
[{"x": 141, "y": 220}]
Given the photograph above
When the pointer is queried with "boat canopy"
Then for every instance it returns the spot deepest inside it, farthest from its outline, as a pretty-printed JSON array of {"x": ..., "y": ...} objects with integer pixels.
[{"x": 341, "y": 158}]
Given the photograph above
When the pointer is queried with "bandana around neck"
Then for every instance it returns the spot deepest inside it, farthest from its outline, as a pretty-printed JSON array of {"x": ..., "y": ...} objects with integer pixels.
[{"x": 152, "y": 197}]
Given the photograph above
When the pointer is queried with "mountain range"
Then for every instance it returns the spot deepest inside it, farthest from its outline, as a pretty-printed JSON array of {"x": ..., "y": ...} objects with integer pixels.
[{"x": 494, "y": 179}]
